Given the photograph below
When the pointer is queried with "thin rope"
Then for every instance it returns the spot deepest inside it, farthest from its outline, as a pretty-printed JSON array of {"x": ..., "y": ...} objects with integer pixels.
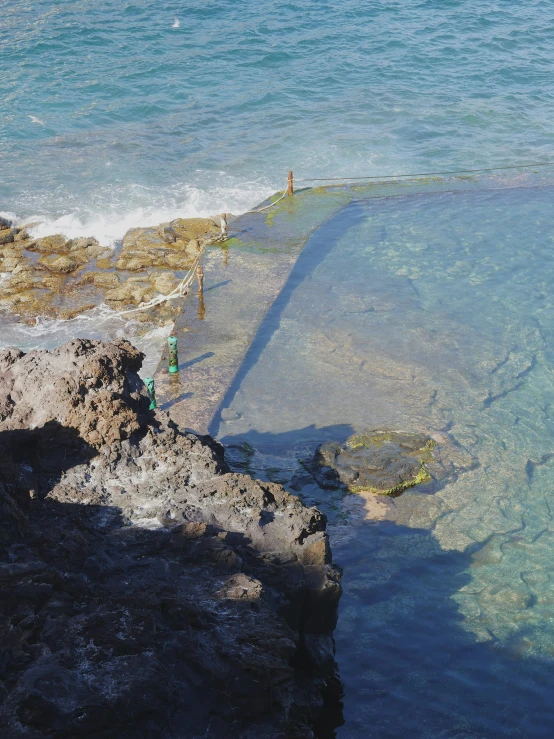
[
  {"x": 180, "y": 291},
  {"x": 424, "y": 174},
  {"x": 259, "y": 210}
]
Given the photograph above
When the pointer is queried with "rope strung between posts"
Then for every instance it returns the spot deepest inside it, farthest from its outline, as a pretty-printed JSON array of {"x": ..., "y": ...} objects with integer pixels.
[
  {"x": 181, "y": 291},
  {"x": 259, "y": 210},
  {"x": 425, "y": 174}
]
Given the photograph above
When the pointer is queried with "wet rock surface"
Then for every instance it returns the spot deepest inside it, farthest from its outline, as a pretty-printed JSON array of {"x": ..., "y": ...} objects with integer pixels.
[
  {"x": 147, "y": 591},
  {"x": 380, "y": 462},
  {"x": 59, "y": 277}
]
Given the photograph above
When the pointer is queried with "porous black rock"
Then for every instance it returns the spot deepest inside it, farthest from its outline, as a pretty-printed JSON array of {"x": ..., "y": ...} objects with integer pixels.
[{"x": 146, "y": 590}]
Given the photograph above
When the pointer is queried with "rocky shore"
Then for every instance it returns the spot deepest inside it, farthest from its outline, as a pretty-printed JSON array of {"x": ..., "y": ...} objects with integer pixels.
[
  {"x": 61, "y": 278},
  {"x": 146, "y": 590}
]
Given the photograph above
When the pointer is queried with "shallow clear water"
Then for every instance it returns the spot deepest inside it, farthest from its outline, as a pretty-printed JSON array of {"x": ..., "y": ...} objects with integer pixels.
[
  {"x": 111, "y": 117},
  {"x": 431, "y": 312}
]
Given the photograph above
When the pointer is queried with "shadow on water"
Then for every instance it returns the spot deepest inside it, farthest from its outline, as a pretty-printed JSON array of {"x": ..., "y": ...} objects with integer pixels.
[
  {"x": 196, "y": 360},
  {"x": 310, "y": 436},
  {"x": 314, "y": 252},
  {"x": 410, "y": 663},
  {"x": 170, "y": 403}
]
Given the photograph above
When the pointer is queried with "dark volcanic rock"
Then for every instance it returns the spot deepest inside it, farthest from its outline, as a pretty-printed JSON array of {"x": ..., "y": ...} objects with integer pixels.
[
  {"x": 384, "y": 463},
  {"x": 147, "y": 591},
  {"x": 85, "y": 385}
]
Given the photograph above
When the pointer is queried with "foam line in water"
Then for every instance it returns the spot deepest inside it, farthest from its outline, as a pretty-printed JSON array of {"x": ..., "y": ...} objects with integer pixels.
[
  {"x": 48, "y": 333},
  {"x": 111, "y": 214}
]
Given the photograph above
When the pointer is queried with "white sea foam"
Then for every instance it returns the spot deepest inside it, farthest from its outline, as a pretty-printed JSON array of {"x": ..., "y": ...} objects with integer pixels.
[
  {"x": 98, "y": 323},
  {"x": 113, "y": 213}
]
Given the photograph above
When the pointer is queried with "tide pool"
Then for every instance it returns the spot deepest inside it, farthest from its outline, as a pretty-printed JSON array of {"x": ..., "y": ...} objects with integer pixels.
[{"x": 427, "y": 312}]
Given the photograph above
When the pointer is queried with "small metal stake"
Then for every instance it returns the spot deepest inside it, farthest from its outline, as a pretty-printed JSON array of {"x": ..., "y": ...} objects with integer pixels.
[
  {"x": 200, "y": 278},
  {"x": 290, "y": 188},
  {"x": 173, "y": 358},
  {"x": 201, "y": 307},
  {"x": 149, "y": 382}
]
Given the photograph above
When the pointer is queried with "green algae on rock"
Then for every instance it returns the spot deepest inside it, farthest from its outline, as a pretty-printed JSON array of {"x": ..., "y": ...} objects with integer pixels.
[{"x": 379, "y": 462}]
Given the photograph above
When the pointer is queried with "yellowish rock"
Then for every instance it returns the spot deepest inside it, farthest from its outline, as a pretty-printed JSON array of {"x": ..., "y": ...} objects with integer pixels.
[
  {"x": 178, "y": 261},
  {"x": 134, "y": 264},
  {"x": 46, "y": 286},
  {"x": 11, "y": 262},
  {"x": 53, "y": 282},
  {"x": 104, "y": 263},
  {"x": 164, "y": 282},
  {"x": 7, "y": 235},
  {"x": 108, "y": 281},
  {"x": 81, "y": 243},
  {"x": 187, "y": 229},
  {"x": 49, "y": 245},
  {"x": 69, "y": 313},
  {"x": 21, "y": 235},
  {"x": 130, "y": 294},
  {"x": 63, "y": 264}
]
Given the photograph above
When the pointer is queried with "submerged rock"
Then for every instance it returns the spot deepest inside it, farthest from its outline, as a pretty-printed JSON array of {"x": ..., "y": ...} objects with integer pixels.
[
  {"x": 384, "y": 463},
  {"x": 145, "y": 588}
]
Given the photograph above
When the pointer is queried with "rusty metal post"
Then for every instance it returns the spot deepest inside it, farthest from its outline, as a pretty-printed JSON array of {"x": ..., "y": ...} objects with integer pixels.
[
  {"x": 290, "y": 189},
  {"x": 201, "y": 307},
  {"x": 200, "y": 278}
]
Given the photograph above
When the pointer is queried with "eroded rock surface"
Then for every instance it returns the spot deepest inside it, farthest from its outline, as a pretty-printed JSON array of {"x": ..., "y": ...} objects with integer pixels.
[
  {"x": 384, "y": 463},
  {"x": 60, "y": 277},
  {"x": 147, "y": 591}
]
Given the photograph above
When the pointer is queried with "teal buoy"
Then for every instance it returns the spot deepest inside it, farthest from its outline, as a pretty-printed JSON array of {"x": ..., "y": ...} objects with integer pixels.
[
  {"x": 173, "y": 358},
  {"x": 149, "y": 382}
]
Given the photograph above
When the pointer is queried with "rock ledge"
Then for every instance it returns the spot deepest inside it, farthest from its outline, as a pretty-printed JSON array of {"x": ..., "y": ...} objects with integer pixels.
[{"x": 148, "y": 591}]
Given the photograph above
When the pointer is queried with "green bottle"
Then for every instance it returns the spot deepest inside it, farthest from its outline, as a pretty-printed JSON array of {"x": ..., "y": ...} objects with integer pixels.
[
  {"x": 149, "y": 382},
  {"x": 173, "y": 358}
]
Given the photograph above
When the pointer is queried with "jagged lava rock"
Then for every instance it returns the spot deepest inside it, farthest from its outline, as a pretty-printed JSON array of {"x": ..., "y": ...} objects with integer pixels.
[
  {"x": 85, "y": 385},
  {"x": 147, "y": 591}
]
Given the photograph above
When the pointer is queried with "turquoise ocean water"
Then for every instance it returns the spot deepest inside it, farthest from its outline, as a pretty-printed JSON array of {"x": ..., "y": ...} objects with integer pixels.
[
  {"x": 427, "y": 312},
  {"x": 111, "y": 117}
]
